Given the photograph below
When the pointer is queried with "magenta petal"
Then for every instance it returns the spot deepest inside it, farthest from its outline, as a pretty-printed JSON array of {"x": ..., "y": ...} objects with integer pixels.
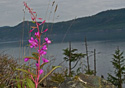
[
  {"x": 44, "y": 52},
  {"x": 45, "y": 30},
  {"x": 40, "y": 18},
  {"x": 38, "y": 23},
  {"x": 41, "y": 71},
  {"x": 36, "y": 64},
  {"x": 26, "y": 59},
  {"x": 30, "y": 30},
  {"x": 44, "y": 21},
  {"x": 32, "y": 38},
  {"x": 31, "y": 46},
  {"x": 32, "y": 18},
  {"x": 48, "y": 41},
  {"x": 34, "y": 12},
  {"x": 37, "y": 34},
  {"x": 45, "y": 60},
  {"x": 44, "y": 47}
]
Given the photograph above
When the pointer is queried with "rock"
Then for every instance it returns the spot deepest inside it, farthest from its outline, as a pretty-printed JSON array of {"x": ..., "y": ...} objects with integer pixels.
[{"x": 86, "y": 81}]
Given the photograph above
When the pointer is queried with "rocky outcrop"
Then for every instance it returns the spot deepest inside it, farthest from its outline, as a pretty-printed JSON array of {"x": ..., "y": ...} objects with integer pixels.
[{"x": 86, "y": 81}]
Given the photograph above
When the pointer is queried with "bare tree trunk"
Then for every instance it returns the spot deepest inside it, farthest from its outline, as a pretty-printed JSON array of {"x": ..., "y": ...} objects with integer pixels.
[
  {"x": 95, "y": 62},
  {"x": 87, "y": 55},
  {"x": 70, "y": 59}
]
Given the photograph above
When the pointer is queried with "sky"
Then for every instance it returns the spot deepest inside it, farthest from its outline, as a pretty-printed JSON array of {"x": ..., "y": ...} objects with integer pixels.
[{"x": 12, "y": 11}]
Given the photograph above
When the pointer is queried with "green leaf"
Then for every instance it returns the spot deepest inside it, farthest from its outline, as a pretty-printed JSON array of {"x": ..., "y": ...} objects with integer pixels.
[
  {"x": 34, "y": 54},
  {"x": 27, "y": 72},
  {"x": 30, "y": 84},
  {"x": 18, "y": 85},
  {"x": 43, "y": 65},
  {"x": 49, "y": 73}
]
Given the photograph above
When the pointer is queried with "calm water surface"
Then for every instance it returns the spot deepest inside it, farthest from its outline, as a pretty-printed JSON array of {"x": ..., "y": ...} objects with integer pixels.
[{"x": 104, "y": 50}]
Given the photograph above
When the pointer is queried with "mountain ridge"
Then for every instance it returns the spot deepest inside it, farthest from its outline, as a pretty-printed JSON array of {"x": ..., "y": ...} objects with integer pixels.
[{"x": 105, "y": 25}]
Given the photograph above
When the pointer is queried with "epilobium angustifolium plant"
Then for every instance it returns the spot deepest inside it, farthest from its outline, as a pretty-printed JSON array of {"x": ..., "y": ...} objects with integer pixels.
[{"x": 35, "y": 42}]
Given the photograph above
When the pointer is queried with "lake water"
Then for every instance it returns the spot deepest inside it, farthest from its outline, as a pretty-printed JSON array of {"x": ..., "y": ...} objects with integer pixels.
[{"x": 104, "y": 50}]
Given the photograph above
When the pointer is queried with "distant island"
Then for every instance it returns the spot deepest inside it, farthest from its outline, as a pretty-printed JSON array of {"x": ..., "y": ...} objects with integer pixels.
[{"x": 106, "y": 25}]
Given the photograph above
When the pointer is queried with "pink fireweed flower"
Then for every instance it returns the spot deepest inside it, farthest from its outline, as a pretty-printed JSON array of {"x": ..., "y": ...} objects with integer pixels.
[
  {"x": 41, "y": 71},
  {"x": 37, "y": 34},
  {"x": 44, "y": 47},
  {"x": 42, "y": 52},
  {"x": 45, "y": 60},
  {"x": 33, "y": 42},
  {"x": 26, "y": 59},
  {"x": 36, "y": 64},
  {"x": 47, "y": 40}
]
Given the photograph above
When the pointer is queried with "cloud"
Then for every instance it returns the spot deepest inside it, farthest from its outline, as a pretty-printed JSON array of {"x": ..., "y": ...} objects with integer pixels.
[{"x": 12, "y": 10}]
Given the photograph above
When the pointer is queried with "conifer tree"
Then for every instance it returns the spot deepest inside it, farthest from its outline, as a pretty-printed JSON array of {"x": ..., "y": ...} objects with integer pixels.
[
  {"x": 118, "y": 62},
  {"x": 71, "y": 55}
]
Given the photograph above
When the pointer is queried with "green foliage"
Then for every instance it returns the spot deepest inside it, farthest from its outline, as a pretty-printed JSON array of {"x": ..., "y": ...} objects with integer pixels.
[
  {"x": 118, "y": 62},
  {"x": 55, "y": 67},
  {"x": 7, "y": 70},
  {"x": 90, "y": 72},
  {"x": 10, "y": 76},
  {"x": 25, "y": 82},
  {"x": 72, "y": 56},
  {"x": 35, "y": 55},
  {"x": 22, "y": 76},
  {"x": 29, "y": 83},
  {"x": 57, "y": 77},
  {"x": 27, "y": 72}
]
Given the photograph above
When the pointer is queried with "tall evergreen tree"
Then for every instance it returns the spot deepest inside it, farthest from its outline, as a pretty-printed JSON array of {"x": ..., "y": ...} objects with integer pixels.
[{"x": 118, "y": 62}]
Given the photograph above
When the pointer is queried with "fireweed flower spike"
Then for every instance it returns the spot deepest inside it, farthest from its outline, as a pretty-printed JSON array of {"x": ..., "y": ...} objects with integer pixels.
[{"x": 40, "y": 48}]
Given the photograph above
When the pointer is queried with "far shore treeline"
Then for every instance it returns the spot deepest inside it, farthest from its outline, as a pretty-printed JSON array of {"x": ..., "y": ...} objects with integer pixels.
[{"x": 106, "y": 25}]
